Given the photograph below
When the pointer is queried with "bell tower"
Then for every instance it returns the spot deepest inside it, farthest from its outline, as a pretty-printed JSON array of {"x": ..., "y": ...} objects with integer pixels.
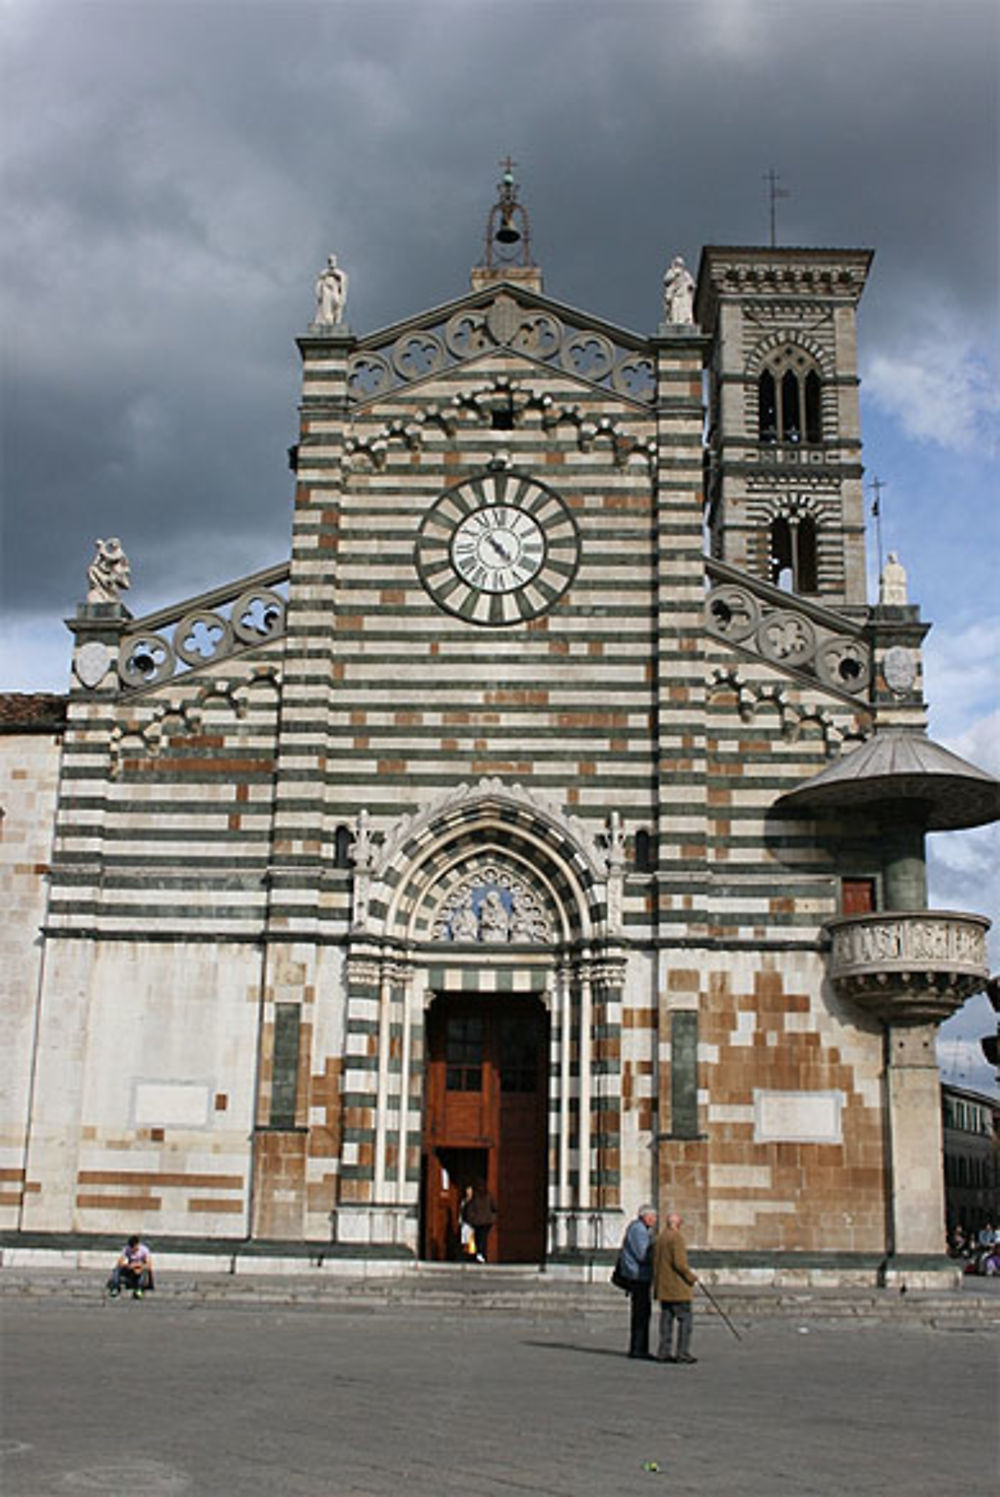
[
  {"x": 784, "y": 479},
  {"x": 507, "y": 246}
]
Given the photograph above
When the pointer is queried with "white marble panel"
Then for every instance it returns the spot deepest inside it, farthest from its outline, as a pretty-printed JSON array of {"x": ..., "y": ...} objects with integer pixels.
[{"x": 798, "y": 1117}]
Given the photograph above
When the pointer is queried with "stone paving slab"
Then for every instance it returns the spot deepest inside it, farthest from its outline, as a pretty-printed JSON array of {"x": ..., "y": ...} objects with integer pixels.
[{"x": 159, "y": 1398}]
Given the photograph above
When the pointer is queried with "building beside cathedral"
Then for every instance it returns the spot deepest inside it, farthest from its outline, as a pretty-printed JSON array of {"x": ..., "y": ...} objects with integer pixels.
[{"x": 498, "y": 831}]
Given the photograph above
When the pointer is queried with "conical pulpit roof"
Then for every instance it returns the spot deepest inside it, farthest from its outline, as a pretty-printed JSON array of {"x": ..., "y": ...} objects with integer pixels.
[{"x": 899, "y": 766}]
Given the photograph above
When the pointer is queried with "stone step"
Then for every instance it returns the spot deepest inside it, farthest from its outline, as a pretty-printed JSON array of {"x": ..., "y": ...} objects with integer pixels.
[{"x": 526, "y": 1293}]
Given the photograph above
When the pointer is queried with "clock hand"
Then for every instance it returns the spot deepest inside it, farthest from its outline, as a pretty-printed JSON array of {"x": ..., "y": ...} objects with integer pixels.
[{"x": 503, "y": 554}]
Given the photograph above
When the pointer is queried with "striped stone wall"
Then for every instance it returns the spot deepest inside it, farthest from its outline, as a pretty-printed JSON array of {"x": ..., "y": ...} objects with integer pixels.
[
  {"x": 424, "y": 700},
  {"x": 146, "y": 1072},
  {"x": 771, "y": 1035}
]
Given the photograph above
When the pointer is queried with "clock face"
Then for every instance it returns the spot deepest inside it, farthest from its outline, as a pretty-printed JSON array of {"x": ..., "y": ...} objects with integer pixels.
[{"x": 497, "y": 549}]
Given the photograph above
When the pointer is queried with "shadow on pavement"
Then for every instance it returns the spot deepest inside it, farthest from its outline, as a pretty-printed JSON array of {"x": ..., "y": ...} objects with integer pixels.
[{"x": 589, "y": 1351}]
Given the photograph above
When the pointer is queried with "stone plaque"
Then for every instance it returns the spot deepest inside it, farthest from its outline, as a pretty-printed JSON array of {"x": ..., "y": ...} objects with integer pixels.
[
  {"x": 899, "y": 669},
  {"x": 91, "y": 663},
  {"x": 797, "y": 1117}
]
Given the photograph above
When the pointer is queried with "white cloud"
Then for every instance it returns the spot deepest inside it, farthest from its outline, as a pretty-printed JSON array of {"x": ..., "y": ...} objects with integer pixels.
[
  {"x": 963, "y": 873},
  {"x": 962, "y": 667},
  {"x": 964, "y": 867},
  {"x": 980, "y": 743},
  {"x": 942, "y": 386}
]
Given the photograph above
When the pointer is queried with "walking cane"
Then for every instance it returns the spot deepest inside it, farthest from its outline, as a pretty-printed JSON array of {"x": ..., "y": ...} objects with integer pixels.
[{"x": 717, "y": 1307}]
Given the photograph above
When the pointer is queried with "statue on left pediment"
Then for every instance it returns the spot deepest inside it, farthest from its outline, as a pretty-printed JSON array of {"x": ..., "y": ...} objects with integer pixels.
[
  {"x": 109, "y": 574},
  {"x": 331, "y": 294}
]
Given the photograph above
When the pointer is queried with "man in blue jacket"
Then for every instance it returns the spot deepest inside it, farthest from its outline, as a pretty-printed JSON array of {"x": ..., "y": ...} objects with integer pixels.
[{"x": 637, "y": 1266}]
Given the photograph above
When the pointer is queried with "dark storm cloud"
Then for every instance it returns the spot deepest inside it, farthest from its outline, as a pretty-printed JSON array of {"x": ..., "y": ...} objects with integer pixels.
[{"x": 176, "y": 174}]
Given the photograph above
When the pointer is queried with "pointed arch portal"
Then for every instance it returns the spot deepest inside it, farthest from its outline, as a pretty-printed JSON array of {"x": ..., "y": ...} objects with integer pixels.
[{"x": 484, "y": 1031}]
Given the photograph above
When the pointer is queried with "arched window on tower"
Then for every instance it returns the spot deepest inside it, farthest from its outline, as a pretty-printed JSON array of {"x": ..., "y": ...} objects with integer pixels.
[
  {"x": 793, "y": 554},
  {"x": 789, "y": 398},
  {"x": 805, "y": 555},
  {"x": 791, "y": 408},
  {"x": 781, "y": 571},
  {"x": 814, "y": 415},
  {"x": 767, "y": 407}
]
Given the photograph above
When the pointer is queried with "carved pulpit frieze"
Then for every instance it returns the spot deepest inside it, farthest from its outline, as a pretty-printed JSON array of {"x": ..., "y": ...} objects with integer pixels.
[{"x": 909, "y": 965}]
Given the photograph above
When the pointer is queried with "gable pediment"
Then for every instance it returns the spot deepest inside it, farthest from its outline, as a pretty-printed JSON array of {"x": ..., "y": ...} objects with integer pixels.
[{"x": 502, "y": 318}]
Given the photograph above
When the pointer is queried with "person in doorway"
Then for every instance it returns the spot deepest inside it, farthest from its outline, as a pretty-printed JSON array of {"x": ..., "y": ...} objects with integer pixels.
[
  {"x": 134, "y": 1270},
  {"x": 479, "y": 1211},
  {"x": 673, "y": 1286},
  {"x": 637, "y": 1266}
]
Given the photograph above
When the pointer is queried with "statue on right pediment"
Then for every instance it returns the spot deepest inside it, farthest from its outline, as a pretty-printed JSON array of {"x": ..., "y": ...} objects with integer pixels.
[
  {"x": 892, "y": 583},
  {"x": 678, "y": 293}
]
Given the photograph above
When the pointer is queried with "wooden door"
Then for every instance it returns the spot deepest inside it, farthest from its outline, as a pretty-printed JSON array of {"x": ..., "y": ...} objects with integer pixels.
[
  {"x": 485, "y": 1112},
  {"x": 857, "y": 896},
  {"x": 522, "y": 1056}
]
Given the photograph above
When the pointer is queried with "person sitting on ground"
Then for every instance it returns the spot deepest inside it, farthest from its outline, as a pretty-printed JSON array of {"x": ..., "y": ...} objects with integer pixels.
[{"x": 134, "y": 1270}]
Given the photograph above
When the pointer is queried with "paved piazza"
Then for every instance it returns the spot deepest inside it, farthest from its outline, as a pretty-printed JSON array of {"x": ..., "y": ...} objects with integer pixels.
[{"x": 154, "y": 1399}]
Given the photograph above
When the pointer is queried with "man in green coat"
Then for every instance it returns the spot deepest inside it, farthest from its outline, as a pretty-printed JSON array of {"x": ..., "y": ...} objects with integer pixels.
[{"x": 673, "y": 1286}]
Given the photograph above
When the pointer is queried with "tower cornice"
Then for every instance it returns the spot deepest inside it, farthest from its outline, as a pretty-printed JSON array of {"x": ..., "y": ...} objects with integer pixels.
[{"x": 824, "y": 274}]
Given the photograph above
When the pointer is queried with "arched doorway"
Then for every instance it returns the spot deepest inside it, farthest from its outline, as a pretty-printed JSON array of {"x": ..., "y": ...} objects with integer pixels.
[
  {"x": 492, "y": 902},
  {"x": 485, "y": 1118}
]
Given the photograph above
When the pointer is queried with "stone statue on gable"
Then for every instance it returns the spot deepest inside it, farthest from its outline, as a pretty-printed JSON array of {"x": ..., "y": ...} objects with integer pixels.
[
  {"x": 678, "y": 293},
  {"x": 892, "y": 583},
  {"x": 109, "y": 574},
  {"x": 331, "y": 294}
]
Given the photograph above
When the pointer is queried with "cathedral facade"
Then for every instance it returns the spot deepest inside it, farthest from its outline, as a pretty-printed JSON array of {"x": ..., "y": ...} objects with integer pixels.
[{"x": 552, "y": 816}]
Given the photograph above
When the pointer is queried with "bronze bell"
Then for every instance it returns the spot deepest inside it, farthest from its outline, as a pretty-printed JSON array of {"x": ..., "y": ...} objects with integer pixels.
[{"x": 507, "y": 232}]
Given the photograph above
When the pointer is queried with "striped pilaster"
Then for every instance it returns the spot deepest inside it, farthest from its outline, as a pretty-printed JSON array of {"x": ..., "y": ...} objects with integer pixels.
[
  {"x": 609, "y": 974},
  {"x": 681, "y": 870},
  {"x": 360, "y": 1096},
  {"x": 301, "y": 832}
]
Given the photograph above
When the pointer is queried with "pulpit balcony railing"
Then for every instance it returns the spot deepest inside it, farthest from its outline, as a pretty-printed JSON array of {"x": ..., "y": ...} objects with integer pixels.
[{"x": 908, "y": 966}]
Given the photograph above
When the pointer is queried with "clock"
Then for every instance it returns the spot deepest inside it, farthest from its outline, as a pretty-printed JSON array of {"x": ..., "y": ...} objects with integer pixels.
[{"x": 497, "y": 549}]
